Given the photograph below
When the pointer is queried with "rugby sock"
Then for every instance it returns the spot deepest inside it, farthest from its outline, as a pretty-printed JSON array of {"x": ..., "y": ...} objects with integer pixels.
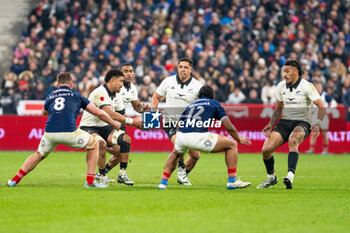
[
  {"x": 123, "y": 165},
  {"x": 102, "y": 171},
  {"x": 18, "y": 177},
  {"x": 292, "y": 161},
  {"x": 165, "y": 178},
  {"x": 269, "y": 164},
  {"x": 181, "y": 164},
  {"x": 90, "y": 178},
  {"x": 232, "y": 175},
  {"x": 107, "y": 168},
  {"x": 325, "y": 147}
]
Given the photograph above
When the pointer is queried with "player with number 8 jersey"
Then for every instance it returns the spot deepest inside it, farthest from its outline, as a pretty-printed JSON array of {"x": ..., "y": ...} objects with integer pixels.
[{"x": 63, "y": 106}]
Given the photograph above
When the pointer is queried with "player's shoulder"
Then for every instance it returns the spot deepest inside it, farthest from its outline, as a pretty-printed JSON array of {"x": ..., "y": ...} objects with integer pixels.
[
  {"x": 308, "y": 86},
  {"x": 133, "y": 87},
  {"x": 169, "y": 79},
  {"x": 99, "y": 90},
  {"x": 281, "y": 84}
]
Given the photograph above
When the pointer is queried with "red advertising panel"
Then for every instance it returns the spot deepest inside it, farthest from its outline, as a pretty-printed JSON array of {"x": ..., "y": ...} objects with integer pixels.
[{"x": 25, "y": 132}]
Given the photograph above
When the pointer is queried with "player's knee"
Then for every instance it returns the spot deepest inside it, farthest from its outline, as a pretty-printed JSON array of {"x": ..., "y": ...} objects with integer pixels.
[
  {"x": 293, "y": 141},
  {"x": 126, "y": 138},
  {"x": 124, "y": 143},
  {"x": 266, "y": 151},
  {"x": 194, "y": 154},
  {"x": 39, "y": 156}
]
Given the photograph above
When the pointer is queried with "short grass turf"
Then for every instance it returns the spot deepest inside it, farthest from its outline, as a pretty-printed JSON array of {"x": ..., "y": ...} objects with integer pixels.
[{"x": 52, "y": 198}]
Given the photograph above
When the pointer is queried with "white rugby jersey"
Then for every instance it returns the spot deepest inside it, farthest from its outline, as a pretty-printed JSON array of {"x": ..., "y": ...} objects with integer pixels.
[
  {"x": 129, "y": 94},
  {"x": 178, "y": 95},
  {"x": 297, "y": 99},
  {"x": 100, "y": 97}
]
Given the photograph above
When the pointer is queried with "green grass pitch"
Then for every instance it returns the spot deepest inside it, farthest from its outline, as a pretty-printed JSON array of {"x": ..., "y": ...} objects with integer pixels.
[{"x": 52, "y": 198}]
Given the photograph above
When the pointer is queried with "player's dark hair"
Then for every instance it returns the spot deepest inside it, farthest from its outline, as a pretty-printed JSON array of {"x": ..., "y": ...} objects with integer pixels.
[
  {"x": 295, "y": 64},
  {"x": 125, "y": 64},
  {"x": 64, "y": 78},
  {"x": 206, "y": 91},
  {"x": 186, "y": 59},
  {"x": 114, "y": 72}
]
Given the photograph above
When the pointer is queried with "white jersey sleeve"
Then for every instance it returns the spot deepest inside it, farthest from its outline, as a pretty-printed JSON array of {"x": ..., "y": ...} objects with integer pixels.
[
  {"x": 312, "y": 92},
  {"x": 279, "y": 90},
  {"x": 100, "y": 98},
  {"x": 163, "y": 87}
]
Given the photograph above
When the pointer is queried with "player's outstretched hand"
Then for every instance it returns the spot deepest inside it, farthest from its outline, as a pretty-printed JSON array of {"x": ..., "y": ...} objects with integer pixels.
[
  {"x": 137, "y": 122},
  {"x": 244, "y": 141},
  {"x": 267, "y": 130},
  {"x": 145, "y": 107},
  {"x": 315, "y": 130}
]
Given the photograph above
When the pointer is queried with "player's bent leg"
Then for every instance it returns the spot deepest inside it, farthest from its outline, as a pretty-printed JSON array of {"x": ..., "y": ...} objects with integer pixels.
[
  {"x": 31, "y": 162},
  {"x": 92, "y": 157},
  {"x": 169, "y": 168},
  {"x": 192, "y": 160},
  {"x": 295, "y": 139},
  {"x": 231, "y": 158},
  {"x": 274, "y": 141}
]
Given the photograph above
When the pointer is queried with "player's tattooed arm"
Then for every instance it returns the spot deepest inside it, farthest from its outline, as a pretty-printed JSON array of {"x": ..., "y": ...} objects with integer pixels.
[
  {"x": 140, "y": 107},
  {"x": 277, "y": 113}
]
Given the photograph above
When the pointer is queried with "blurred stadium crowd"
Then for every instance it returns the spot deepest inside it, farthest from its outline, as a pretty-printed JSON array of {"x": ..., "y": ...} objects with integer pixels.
[{"x": 238, "y": 46}]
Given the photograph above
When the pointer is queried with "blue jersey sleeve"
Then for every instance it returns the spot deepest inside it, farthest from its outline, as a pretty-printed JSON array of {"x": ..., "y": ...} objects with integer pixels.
[
  {"x": 220, "y": 111},
  {"x": 46, "y": 104},
  {"x": 84, "y": 101}
]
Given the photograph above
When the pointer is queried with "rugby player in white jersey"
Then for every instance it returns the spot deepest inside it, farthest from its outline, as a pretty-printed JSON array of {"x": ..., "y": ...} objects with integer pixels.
[
  {"x": 179, "y": 90},
  {"x": 129, "y": 94},
  {"x": 104, "y": 97},
  {"x": 294, "y": 98}
]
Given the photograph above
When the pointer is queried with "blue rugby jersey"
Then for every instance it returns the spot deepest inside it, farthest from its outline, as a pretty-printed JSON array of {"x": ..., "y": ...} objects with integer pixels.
[
  {"x": 200, "y": 115},
  {"x": 63, "y": 106}
]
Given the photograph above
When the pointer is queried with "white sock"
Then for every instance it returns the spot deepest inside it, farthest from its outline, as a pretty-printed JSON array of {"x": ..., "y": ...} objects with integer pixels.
[
  {"x": 271, "y": 176},
  {"x": 122, "y": 172}
]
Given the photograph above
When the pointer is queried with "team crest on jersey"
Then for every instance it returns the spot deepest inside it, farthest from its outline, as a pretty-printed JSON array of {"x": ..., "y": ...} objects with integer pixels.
[
  {"x": 102, "y": 98},
  {"x": 151, "y": 120}
]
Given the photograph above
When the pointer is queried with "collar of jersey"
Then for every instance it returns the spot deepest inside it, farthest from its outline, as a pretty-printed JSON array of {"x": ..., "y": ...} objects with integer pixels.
[
  {"x": 183, "y": 83},
  {"x": 64, "y": 87},
  {"x": 110, "y": 94},
  {"x": 127, "y": 87},
  {"x": 295, "y": 85}
]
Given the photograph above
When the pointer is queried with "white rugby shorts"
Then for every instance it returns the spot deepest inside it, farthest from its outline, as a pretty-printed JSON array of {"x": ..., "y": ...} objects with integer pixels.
[
  {"x": 204, "y": 142},
  {"x": 79, "y": 139}
]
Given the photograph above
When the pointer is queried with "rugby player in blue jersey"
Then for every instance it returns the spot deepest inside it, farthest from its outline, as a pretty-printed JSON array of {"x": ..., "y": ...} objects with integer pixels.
[
  {"x": 192, "y": 133},
  {"x": 62, "y": 106}
]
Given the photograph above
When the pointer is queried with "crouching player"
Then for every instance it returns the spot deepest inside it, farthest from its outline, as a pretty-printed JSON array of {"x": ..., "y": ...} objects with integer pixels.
[
  {"x": 63, "y": 106},
  {"x": 192, "y": 133}
]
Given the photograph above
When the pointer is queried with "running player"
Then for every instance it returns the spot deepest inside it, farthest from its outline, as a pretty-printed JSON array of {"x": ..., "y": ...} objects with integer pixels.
[{"x": 294, "y": 98}]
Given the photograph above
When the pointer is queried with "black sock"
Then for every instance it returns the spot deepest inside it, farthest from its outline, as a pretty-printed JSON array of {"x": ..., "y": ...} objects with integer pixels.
[
  {"x": 107, "y": 168},
  {"x": 269, "y": 164},
  {"x": 102, "y": 171},
  {"x": 292, "y": 161},
  {"x": 123, "y": 165},
  {"x": 188, "y": 171},
  {"x": 181, "y": 164}
]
